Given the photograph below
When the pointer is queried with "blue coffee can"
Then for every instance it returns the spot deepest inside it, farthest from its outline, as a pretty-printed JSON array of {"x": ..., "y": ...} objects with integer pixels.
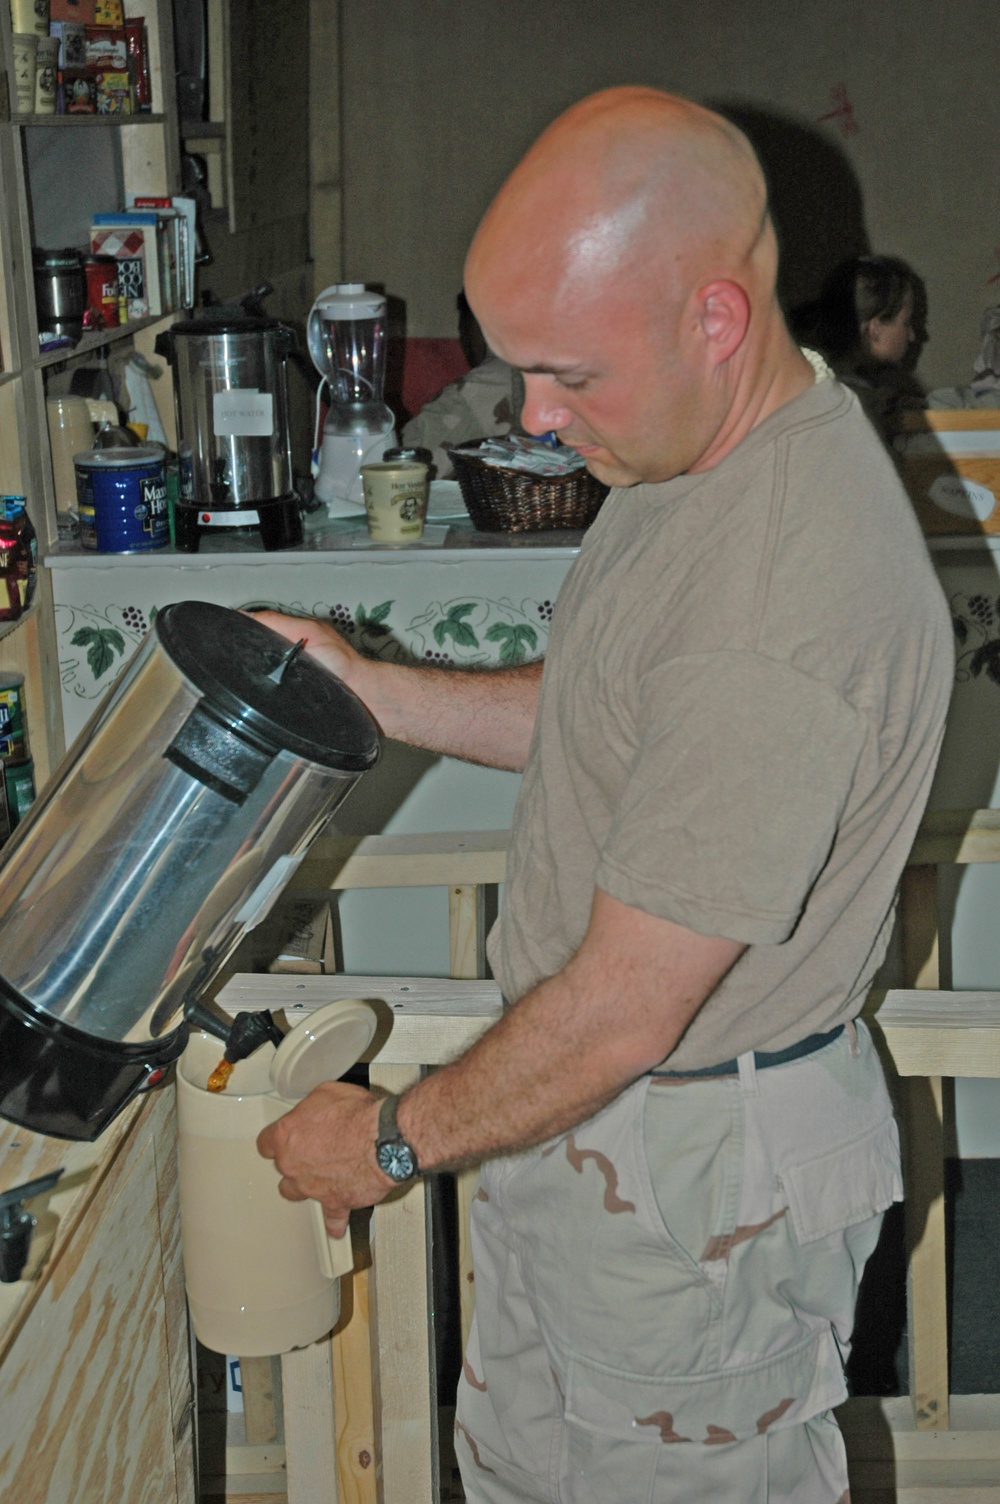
[{"x": 122, "y": 499}]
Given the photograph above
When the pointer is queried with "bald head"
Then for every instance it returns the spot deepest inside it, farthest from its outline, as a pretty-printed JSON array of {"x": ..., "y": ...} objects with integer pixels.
[
  {"x": 629, "y": 182},
  {"x": 628, "y": 267}
]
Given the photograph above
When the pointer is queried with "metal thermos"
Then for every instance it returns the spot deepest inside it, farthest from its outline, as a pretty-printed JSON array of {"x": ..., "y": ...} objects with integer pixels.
[
  {"x": 169, "y": 830},
  {"x": 60, "y": 291}
]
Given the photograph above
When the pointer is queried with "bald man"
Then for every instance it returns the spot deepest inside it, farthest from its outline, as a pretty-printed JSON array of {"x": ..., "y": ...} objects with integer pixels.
[{"x": 685, "y": 1138}]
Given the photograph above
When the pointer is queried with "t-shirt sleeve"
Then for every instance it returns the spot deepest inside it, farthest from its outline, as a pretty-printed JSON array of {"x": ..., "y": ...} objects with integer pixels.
[{"x": 741, "y": 772}]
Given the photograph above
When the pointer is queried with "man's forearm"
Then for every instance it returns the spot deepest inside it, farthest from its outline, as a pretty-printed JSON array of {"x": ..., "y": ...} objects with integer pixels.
[
  {"x": 568, "y": 1047},
  {"x": 484, "y": 716},
  {"x": 572, "y": 1044}
]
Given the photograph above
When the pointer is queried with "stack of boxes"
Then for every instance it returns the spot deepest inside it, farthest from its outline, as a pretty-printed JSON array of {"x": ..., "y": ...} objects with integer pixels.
[{"x": 79, "y": 57}]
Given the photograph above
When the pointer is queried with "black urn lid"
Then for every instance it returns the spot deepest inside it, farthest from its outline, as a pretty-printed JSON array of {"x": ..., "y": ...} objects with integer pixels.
[
  {"x": 225, "y": 320},
  {"x": 261, "y": 686}
]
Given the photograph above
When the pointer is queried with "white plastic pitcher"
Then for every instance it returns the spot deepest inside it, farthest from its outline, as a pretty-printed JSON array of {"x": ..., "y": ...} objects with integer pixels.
[{"x": 262, "y": 1273}]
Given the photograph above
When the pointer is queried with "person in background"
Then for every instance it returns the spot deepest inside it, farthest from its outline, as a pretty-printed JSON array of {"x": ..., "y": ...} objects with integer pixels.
[
  {"x": 870, "y": 324},
  {"x": 482, "y": 404},
  {"x": 686, "y": 1143}
]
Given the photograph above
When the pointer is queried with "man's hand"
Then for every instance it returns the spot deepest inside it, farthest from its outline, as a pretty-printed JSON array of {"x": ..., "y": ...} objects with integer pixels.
[
  {"x": 325, "y": 1149},
  {"x": 322, "y": 640}
]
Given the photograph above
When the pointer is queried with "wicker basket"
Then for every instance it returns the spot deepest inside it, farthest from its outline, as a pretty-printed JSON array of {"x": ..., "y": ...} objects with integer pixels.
[{"x": 513, "y": 501}]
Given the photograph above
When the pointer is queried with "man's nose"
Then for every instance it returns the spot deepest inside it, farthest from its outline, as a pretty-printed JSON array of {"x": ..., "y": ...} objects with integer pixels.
[{"x": 542, "y": 411}]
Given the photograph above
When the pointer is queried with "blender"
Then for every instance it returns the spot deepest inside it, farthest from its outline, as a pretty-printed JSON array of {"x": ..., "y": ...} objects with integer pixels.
[{"x": 346, "y": 335}]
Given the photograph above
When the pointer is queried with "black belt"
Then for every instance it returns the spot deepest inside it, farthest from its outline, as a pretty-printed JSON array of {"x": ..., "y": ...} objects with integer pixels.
[{"x": 761, "y": 1058}]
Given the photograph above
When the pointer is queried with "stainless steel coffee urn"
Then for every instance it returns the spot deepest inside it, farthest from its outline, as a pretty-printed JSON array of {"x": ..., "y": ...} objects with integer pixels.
[
  {"x": 169, "y": 830},
  {"x": 231, "y": 389}
]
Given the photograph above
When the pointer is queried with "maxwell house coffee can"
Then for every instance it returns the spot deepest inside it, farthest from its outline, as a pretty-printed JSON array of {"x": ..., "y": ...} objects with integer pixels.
[{"x": 121, "y": 499}]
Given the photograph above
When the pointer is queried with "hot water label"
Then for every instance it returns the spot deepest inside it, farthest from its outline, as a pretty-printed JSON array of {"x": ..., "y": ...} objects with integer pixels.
[{"x": 243, "y": 414}]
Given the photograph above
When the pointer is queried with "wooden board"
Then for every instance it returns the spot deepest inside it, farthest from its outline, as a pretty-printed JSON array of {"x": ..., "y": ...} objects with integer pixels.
[
  {"x": 934, "y": 1033},
  {"x": 403, "y": 1362},
  {"x": 357, "y": 1449},
  {"x": 85, "y": 1386},
  {"x": 424, "y": 1020},
  {"x": 958, "y": 836},
  {"x": 310, "y": 1436},
  {"x": 438, "y": 859}
]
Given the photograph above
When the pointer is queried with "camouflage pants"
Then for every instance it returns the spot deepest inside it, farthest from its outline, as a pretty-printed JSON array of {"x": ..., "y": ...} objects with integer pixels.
[{"x": 665, "y": 1295}]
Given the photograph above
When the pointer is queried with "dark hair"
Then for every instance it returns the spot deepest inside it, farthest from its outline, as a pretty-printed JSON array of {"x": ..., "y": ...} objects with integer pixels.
[{"x": 860, "y": 289}]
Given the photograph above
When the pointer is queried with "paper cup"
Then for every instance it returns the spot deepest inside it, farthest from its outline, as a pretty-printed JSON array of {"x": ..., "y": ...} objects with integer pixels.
[
  {"x": 46, "y": 65},
  {"x": 395, "y": 500},
  {"x": 25, "y": 51},
  {"x": 30, "y": 16}
]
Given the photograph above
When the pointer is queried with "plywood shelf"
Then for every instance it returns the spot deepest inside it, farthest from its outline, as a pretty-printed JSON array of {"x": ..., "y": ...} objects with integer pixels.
[
  {"x": 77, "y": 122},
  {"x": 101, "y": 337}
]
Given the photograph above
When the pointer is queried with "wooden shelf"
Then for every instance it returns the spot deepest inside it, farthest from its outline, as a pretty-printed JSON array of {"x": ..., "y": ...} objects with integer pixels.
[
  {"x": 74, "y": 122},
  {"x": 202, "y": 130},
  {"x": 6, "y": 627},
  {"x": 101, "y": 337}
]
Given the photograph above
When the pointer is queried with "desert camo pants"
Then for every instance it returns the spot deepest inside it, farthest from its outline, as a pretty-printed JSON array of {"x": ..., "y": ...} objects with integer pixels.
[{"x": 665, "y": 1295}]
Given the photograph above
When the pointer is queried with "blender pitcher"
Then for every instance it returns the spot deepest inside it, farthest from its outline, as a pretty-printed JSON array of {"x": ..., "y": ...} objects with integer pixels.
[
  {"x": 346, "y": 336},
  {"x": 261, "y": 1272}
]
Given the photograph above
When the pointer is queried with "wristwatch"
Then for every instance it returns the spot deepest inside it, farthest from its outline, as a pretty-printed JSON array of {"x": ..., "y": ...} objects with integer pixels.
[{"x": 396, "y": 1158}]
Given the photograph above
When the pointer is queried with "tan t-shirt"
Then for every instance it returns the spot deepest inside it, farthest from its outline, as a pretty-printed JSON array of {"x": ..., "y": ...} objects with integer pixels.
[{"x": 741, "y": 709}]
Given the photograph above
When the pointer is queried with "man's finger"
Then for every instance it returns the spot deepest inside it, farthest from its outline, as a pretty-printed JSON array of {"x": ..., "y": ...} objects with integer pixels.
[
  {"x": 265, "y": 1141},
  {"x": 288, "y": 1189}
]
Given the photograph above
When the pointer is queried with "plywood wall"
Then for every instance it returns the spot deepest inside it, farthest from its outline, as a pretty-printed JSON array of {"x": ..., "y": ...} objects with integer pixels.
[{"x": 879, "y": 123}]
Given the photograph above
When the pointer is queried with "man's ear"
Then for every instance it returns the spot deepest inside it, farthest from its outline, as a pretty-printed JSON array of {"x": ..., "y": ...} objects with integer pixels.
[{"x": 724, "y": 317}]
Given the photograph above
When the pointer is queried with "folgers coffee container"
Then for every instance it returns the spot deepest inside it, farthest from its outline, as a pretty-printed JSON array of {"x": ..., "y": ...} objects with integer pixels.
[
  {"x": 121, "y": 497},
  {"x": 102, "y": 292}
]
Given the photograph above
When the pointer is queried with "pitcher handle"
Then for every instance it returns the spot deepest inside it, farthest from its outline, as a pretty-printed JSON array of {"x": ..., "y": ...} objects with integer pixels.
[{"x": 336, "y": 1256}]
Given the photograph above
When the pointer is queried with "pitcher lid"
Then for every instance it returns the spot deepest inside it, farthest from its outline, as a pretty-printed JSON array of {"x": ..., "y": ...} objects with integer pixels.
[
  {"x": 260, "y": 685},
  {"x": 322, "y": 1047}
]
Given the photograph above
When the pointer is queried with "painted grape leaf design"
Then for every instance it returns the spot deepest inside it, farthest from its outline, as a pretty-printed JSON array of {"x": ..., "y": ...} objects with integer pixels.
[
  {"x": 102, "y": 643},
  {"x": 373, "y": 621},
  {"x": 514, "y": 640},
  {"x": 456, "y": 628},
  {"x": 987, "y": 659}
]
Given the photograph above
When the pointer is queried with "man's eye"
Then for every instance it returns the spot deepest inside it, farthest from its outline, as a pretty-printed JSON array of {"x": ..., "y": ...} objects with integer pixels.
[{"x": 573, "y": 383}]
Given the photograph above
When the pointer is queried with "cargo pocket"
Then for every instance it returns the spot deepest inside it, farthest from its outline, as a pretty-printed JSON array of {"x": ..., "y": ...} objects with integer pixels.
[
  {"x": 620, "y": 1426},
  {"x": 846, "y": 1185}
]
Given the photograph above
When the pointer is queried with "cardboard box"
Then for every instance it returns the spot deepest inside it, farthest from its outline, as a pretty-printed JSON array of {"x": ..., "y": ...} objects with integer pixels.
[
  {"x": 73, "y": 10},
  {"x": 299, "y": 935},
  {"x": 949, "y": 460}
]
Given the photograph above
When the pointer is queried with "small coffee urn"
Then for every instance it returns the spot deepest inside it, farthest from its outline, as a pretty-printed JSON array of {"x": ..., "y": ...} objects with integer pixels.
[{"x": 231, "y": 387}]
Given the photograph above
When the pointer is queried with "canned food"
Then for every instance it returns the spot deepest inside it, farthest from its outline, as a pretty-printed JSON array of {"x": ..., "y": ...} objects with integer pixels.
[
  {"x": 13, "y": 735},
  {"x": 102, "y": 292},
  {"x": 122, "y": 499},
  {"x": 19, "y": 783}
]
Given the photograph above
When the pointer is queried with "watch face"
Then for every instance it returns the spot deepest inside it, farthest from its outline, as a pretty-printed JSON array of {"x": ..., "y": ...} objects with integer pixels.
[{"x": 395, "y": 1159}]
